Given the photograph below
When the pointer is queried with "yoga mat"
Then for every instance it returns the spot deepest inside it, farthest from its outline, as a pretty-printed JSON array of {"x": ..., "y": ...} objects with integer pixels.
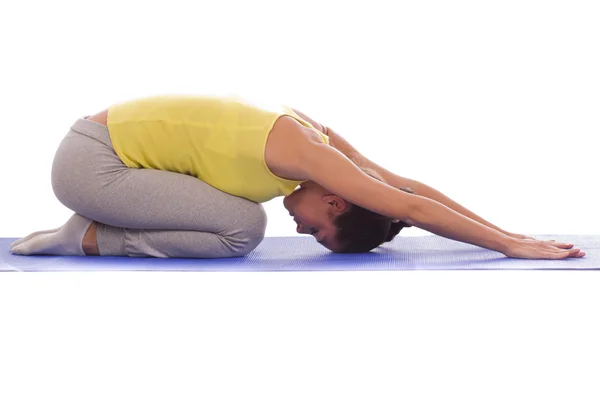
[{"x": 430, "y": 252}]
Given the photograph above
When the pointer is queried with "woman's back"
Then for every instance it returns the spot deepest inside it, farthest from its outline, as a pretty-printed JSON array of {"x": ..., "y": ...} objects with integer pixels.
[{"x": 220, "y": 140}]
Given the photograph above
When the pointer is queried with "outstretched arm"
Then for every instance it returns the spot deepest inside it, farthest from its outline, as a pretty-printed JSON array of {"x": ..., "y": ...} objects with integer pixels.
[
  {"x": 315, "y": 161},
  {"x": 349, "y": 182},
  {"x": 395, "y": 180},
  {"x": 424, "y": 190}
]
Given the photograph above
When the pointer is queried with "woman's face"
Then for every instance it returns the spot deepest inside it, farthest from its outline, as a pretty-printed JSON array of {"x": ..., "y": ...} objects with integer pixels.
[{"x": 314, "y": 209}]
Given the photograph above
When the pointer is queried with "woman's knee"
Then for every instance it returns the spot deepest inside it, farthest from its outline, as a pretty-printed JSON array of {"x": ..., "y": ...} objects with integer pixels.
[
  {"x": 70, "y": 174},
  {"x": 251, "y": 230},
  {"x": 62, "y": 184}
]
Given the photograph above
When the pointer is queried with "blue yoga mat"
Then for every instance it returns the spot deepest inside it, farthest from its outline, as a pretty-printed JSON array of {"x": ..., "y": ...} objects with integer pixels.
[{"x": 430, "y": 252}]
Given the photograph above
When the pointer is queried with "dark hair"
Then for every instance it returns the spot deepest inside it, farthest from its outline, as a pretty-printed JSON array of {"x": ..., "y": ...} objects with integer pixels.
[{"x": 360, "y": 230}]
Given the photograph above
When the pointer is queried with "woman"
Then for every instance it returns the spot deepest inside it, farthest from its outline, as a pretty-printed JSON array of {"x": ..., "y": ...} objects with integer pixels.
[{"x": 184, "y": 176}]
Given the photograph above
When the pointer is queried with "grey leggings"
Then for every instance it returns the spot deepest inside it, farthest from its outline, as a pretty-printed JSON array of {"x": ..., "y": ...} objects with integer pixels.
[{"x": 149, "y": 213}]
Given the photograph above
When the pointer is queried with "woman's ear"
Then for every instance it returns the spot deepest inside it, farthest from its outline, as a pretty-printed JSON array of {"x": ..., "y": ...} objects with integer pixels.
[{"x": 338, "y": 204}]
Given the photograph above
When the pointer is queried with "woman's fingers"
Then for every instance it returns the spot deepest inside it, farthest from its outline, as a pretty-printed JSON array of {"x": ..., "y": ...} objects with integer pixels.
[
  {"x": 576, "y": 253},
  {"x": 560, "y": 245},
  {"x": 565, "y": 253},
  {"x": 554, "y": 243}
]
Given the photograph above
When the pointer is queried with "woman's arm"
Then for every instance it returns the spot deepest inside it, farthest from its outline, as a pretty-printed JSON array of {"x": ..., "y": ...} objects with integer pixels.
[
  {"x": 395, "y": 180},
  {"x": 424, "y": 190},
  {"x": 317, "y": 161}
]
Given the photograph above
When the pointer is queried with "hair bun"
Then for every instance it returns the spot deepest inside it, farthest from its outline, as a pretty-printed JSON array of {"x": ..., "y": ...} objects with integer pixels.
[{"x": 395, "y": 228}]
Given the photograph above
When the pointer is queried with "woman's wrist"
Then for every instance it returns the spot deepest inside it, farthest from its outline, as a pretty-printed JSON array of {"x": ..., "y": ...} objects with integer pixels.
[
  {"x": 515, "y": 235},
  {"x": 509, "y": 243}
]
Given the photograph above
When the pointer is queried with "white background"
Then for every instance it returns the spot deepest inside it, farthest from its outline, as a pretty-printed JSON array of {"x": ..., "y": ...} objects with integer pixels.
[{"x": 493, "y": 103}]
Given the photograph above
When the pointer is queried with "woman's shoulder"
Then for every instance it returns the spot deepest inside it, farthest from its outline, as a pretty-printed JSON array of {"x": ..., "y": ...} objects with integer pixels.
[{"x": 286, "y": 144}]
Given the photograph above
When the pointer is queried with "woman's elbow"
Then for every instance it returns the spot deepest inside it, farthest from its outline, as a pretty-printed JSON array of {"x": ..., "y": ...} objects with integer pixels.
[{"x": 413, "y": 210}]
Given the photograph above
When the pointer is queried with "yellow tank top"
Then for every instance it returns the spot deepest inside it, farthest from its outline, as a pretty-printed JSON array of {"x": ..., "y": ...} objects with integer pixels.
[{"x": 220, "y": 140}]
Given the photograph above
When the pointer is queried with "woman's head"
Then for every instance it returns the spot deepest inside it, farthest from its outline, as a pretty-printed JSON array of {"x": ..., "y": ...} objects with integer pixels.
[
  {"x": 339, "y": 225},
  {"x": 314, "y": 210}
]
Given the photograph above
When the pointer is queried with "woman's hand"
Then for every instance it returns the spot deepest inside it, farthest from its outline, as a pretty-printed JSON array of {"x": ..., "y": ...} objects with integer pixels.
[
  {"x": 560, "y": 245},
  {"x": 537, "y": 249}
]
